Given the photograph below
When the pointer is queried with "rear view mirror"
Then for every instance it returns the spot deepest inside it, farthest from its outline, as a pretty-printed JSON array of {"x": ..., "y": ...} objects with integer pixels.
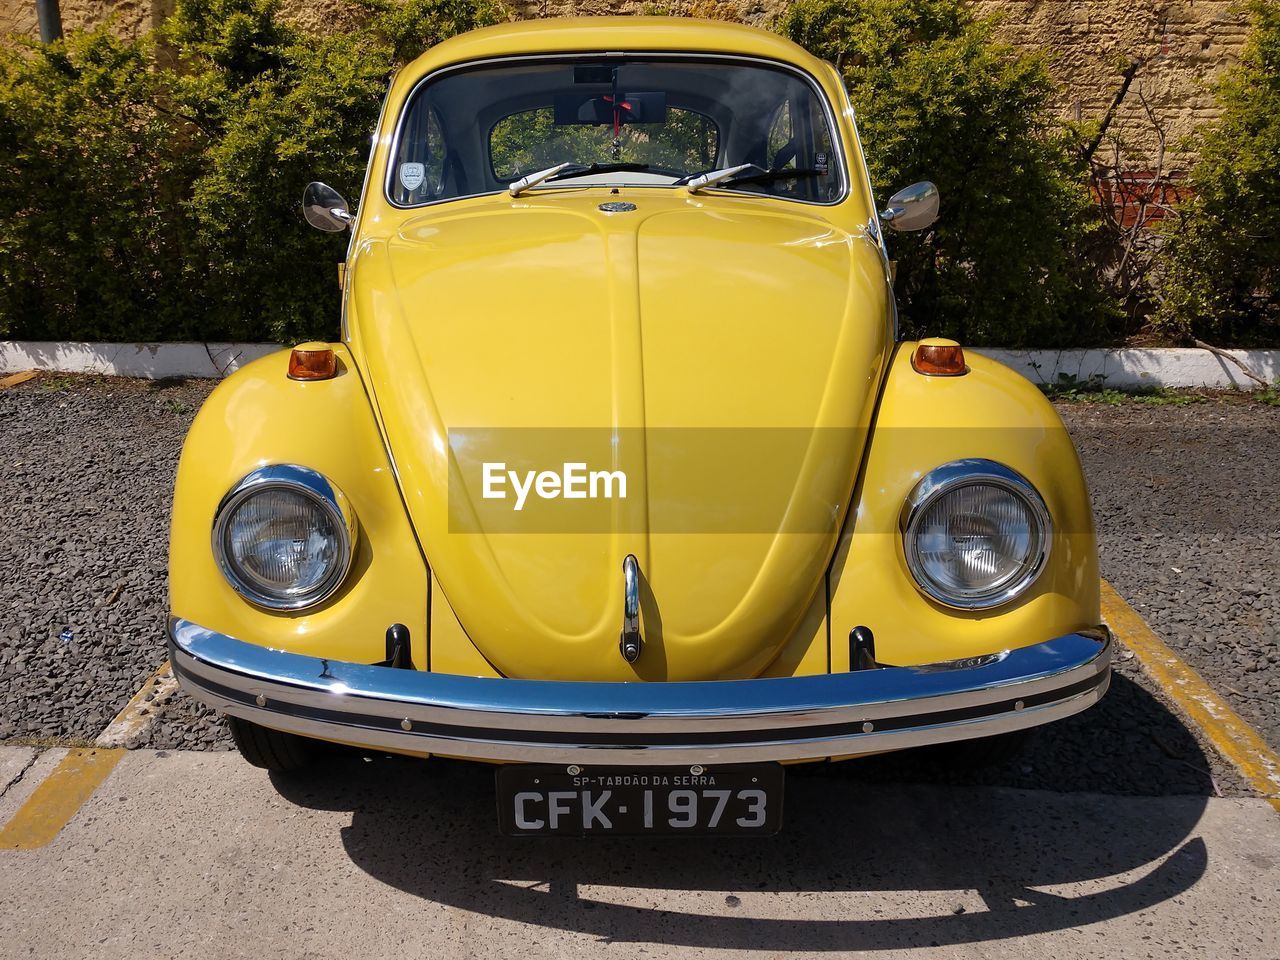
[
  {"x": 574, "y": 109},
  {"x": 324, "y": 208},
  {"x": 912, "y": 208}
]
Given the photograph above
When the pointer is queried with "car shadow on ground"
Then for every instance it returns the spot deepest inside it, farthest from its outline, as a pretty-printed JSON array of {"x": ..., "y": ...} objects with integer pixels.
[{"x": 862, "y": 863}]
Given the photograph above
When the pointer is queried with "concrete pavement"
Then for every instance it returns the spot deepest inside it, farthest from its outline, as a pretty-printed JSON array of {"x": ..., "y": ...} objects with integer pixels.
[{"x": 200, "y": 855}]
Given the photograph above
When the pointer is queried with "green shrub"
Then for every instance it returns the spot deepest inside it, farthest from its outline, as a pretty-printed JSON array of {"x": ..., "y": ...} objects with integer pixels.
[
  {"x": 274, "y": 109},
  {"x": 411, "y": 26},
  {"x": 152, "y": 190},
  {"x": 1223, "y": 283},
  {"x": 92, "y": 237},
  {"x": 270, "y": 111},
  {"x": 939, "y": 99}
]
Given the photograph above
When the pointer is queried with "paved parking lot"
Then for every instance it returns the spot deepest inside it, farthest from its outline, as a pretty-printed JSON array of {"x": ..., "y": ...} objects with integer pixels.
[
  {"x": 1119, "y": 830},
  {"x": 197, "y": 854}
]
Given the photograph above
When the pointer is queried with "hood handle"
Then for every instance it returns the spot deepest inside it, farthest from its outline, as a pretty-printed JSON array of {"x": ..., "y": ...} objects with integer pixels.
[{"x": 631, "y": 643}]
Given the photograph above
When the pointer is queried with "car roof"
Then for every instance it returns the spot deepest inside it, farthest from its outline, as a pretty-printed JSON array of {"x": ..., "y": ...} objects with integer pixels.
[{"x": 612, "y": 35}]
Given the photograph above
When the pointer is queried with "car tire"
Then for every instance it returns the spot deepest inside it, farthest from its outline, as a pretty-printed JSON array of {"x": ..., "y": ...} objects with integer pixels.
[{"x": 271, "y": 749}]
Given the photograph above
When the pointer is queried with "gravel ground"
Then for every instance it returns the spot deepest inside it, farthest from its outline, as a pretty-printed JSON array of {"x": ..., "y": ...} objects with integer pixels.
[
  {"x": 1185, "y": 501},
  {"x": 1174, "y": 487},
  {"x": 187, "y": 724},
  {"x": 86, "y": 473}
]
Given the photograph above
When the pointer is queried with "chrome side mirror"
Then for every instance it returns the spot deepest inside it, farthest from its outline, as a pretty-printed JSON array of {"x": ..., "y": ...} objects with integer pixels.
[
  {"x": 325, "y": 209},
  {"x": 912, "y": 208}
]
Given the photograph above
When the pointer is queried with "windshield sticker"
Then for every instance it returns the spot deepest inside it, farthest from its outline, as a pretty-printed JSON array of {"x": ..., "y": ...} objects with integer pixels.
[{"x": 412, "y": 175}]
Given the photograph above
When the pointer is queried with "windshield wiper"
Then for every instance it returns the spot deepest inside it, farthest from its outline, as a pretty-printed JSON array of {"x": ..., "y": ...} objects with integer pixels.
[
  {"x": 564, "y": 171},
  {"x": 769, "y": 176},
  {"x": 728, "y": 176},
  {"x": 712, "y": 177},
  {"x": 533, "y": 179}
]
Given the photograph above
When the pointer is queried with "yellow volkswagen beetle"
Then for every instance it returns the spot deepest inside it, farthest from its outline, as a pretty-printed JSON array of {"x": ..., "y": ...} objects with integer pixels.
[{"x": 619, "y": 476}]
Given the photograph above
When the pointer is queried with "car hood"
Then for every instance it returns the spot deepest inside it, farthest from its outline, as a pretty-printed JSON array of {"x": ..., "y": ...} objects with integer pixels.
[{"x": 722, "y": 356}]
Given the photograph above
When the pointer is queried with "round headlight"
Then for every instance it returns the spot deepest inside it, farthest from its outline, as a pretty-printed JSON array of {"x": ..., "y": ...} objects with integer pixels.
[
  {"x": 284, "y": 537},
  {"x": 976, "y": 534}
]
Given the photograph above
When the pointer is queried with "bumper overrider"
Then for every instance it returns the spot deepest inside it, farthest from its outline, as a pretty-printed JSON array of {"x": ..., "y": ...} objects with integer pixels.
[{"x": 545, "y": 721}]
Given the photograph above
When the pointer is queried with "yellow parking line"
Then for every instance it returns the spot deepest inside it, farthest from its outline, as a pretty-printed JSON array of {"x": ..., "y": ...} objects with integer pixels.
[
  {"x": 52, "y": 804},
  {"x": 1224, "y": 728},
  {"x": 71, "y": 783},
  {"x": 16, "y": 378}
]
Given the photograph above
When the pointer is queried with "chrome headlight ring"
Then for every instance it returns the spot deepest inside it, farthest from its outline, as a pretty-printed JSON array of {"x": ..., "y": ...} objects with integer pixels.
[
  {"x": 312, "y": 492},
  {"x": 950, "y": 479}
]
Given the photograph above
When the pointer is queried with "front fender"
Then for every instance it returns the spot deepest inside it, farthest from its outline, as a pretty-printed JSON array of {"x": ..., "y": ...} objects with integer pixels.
[
  {"x": 259, "y": 416},
  {"x": 923, "y": 422}
]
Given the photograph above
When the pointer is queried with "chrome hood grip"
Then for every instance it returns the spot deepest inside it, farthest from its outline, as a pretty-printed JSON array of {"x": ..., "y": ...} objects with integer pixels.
[{"x": 631, "y": 642}]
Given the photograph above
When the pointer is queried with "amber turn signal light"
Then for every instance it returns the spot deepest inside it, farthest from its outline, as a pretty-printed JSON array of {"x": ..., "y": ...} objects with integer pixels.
[
  {"x": 938, "y": 358},
  {"x": 312, "y": 361}
]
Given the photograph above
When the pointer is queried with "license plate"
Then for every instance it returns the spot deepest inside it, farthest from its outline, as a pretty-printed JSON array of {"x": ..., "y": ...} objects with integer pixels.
[{"x": 619, "y": 801}]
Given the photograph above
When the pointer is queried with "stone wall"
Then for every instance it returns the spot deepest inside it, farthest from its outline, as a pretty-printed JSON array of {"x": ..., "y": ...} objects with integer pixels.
[
  {"x": 1179, "y": 46},
  {"x": 131, "y": 17}
]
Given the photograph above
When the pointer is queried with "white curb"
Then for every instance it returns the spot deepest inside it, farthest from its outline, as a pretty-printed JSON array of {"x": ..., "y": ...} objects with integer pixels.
[
  {"x": 1123, "y": 367},
  {"x": 1140, "y": 367},
  {"x": 153, "y": 361}
]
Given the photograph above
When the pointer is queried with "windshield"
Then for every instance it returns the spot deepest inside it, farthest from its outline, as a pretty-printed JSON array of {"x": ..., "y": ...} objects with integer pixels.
[{"x": 651, "y": 122}]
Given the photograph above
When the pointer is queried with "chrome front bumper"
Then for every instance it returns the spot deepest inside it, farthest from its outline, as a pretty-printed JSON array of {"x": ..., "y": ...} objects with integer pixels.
[{"x": 546, "y": 721}]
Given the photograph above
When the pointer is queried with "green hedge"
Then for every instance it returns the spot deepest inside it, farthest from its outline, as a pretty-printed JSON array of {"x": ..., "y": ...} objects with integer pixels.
[
  {"x": 938, "y": 98},
  {"x": 93, "y": 243},
  {"x": 152, "y": 190},
  {"x": 1224, "y": 265},
  {"x": 149, "y": 190}
]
